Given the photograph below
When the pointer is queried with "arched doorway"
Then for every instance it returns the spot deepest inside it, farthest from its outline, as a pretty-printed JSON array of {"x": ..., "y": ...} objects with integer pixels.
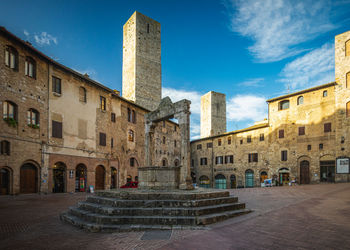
[
  {"x": 28, "y": 179},
  {"x": 233, "y": 181},
  {"x": 263, "y": 176},
  {"x": 114, "y": 178},
  {"x": 220, "y": 181},
  {"x": 204, "y": 182},
  {"x": 249, "y": 178},
  {"x": 284, "y": 176},
  {"x": 59, "y": 178},
  {"x": 4, "y": 181},
  {"x": 304, "y": 172},
  {"x": 100, "y": 178},
  {"x": 80, "y": 178}
]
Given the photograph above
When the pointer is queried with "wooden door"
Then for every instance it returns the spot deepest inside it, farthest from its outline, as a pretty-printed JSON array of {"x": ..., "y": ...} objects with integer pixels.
[
  {"x": 28, "y": 179},
  {"x": 304, "y": 172},
  {"x": 100, "y": 178}
]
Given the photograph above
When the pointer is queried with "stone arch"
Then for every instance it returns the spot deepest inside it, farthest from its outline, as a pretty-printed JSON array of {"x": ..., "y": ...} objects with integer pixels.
[
  {"x": 263, "y": 175},
  {"x": 59, "y": 177},
  {"x": 80, "y": 178},
  {"x": 6, "y": 180}
]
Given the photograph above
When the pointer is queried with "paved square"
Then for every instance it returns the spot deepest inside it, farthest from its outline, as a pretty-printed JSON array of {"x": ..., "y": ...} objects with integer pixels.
[{"x": 303, "y": 217}]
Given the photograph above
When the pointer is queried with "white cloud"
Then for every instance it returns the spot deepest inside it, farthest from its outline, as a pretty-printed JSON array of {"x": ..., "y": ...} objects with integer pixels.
[
  {"x": 313, "y": 68},
  {"x": 254, "y": 82},
  {"x": 26, "y": 33},
  {"x": 278, "y": 26},
  {"x": 246, "y": 108},
  {"x": 45, "y": 39},
  {"x": 178, "y": 94}
]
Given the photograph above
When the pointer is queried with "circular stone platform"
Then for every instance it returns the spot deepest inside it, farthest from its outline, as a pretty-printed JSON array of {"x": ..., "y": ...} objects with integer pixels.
[{"x": 134, "y": 209}]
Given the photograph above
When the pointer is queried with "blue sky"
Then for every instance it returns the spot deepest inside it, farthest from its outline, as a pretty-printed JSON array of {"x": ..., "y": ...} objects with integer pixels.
[{"x": 249, "y": 50}]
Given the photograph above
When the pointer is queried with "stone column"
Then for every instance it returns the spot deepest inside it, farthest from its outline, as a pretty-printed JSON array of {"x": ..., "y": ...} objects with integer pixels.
[
  {"x": 149, "y": 131},
  {"x": 185, "y": 171}
]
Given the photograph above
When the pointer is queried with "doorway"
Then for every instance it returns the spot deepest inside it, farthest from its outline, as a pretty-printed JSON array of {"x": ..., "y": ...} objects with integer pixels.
[
  {"x": 4, "y": 181},
  {"x": 59, "y": 178},
  {"x": 220, "y": 181},
  {"x": 114, "y": 177},
  {"x": 100, "y": 178},
  {"x": 284, "y": 176},
  {"x": 80, "y": 178},
  {"x": 304, "y": 172},
  {"x": 327, "y": 171},
  {"x": 263, "y": 176},
  {"x": 233, "y": 181},
  {"x": 28, "y": 179},
  {"x": 249, "y": 178}
]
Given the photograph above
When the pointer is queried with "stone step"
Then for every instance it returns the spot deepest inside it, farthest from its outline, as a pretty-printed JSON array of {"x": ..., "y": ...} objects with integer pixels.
[
  {"x": 160, "y": 203},
  {"x": 94, "y": 227},
  {"x": 140, "y": 220},
  {"x": 159, "y": 211},
  {"x": 136, "y": 194},
  {"x": 213, "y": 218}
]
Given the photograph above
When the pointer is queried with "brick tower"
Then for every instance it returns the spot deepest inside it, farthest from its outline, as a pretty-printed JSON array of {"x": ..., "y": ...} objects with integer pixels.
[{"x": 142, "y": 80}]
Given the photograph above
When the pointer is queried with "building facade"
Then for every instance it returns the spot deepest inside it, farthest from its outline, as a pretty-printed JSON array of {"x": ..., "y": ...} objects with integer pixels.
[
  {"x": 305, "y": 138},
  {"x": 64, "y": 132}
]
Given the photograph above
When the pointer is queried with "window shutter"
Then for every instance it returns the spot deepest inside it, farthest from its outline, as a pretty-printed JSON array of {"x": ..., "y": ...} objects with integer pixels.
[
  {"x": 56, "y": 129},
  {"x": 102, "y": 139}
]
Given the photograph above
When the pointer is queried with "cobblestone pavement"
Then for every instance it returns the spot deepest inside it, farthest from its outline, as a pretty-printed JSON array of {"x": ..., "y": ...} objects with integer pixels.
[{"x": 298, "y": 217}]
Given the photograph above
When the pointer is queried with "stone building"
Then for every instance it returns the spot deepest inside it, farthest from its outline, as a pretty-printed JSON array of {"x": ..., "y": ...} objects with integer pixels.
[
  {"x": 305, "y": 138},
  {"x": 62, "y": 131}
]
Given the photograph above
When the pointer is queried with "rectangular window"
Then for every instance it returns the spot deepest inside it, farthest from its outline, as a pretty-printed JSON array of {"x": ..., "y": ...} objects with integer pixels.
[
  {"x": 283, "y": 155},
  {"x": 320, "y": 146},
  {"x": 219, "y": 142},
  {"x": 249, "y": 139},
  {"x": 175, "y": 143},
  {"x": 209, "y": 145},
  {"x": 309, "y": 147},
  {"x": 112, "y": 143},
  {"x": 229, "y": 140},
  {"x": 56, "y": 85},
  {"x": 113, "y": 117},
  {"x": 327, "y": 127},
  {"x": 219, "y": 160},
  {"x": 203, "y": 161},
  {"x": 5, "y": 148},
  {"x": 132, "y": 162},
  {"x": 192, "y": 163},
  {"x": 262, "y": 137},
  {"x": 175, "y": 128},
  {"x": 164, "y": 140},
  {"x": 102, "y": 139},
  {"x": 301, "y": 130},
  {"x": 228, "y": 159},
  {"x": 199, "y": 146},
  {"x": 102, "y": 103},
  {"x": 241, "y": 141},
  {"x": 281, "y": 133},
  {"x": 253, "y": 157},
  {"x": 56, "y": 129}
]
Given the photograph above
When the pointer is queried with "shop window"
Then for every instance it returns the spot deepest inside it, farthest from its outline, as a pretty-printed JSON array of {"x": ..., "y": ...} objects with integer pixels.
[
  {"x": 30, "y": 67},
  {"x": 11, "y": 58},
  {"x": 56, "y": 85},
  {"x": 82, "y": 94},
  {"x": 283, "y": 105}
]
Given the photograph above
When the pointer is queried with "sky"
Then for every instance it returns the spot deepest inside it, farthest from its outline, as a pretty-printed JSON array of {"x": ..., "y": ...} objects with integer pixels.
[{"x": 249, "y": 50}]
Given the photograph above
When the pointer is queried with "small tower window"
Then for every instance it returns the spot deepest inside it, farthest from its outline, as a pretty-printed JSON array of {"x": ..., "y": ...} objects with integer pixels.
[
  {"x": 300, "y": 100},
  {"x": 325, "y": 93},
  {"x": 11, "y": 58},
  {"x": 82, "y": 94},
  {"x": 148, "y": 28},
  {"x": 30, "y": 67}
]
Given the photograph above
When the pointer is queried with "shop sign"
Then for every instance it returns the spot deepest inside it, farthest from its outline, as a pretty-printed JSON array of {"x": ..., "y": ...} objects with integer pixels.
[{"x": 343, "y": 165}]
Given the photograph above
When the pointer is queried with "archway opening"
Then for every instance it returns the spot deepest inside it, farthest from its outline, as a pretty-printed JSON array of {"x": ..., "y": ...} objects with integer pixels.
[
  {"x": 204, "y": 182},
  {"x": 100, "y": 177},
  {"x": 249, "y": 178},
  {"x": 304, "y": 172},
  {"x": 59, "y": 178},
  {"x": 114, "y": 178},
  {"x": 263, "y": 176},
  {"x": 220, "y": 181},
  {"x": 4, "y": 181},
  {"x": 233, "y": 181},
  {"x": 28, "y": 179},
  {"x": 284, "y": 176},
  {"x": 80, "y": 178}
]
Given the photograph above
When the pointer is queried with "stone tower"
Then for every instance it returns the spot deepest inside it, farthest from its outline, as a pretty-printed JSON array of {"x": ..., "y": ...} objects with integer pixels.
[
  {"x": 342, "y": 96},
  {"x": 213, "y": 114},
  {"x": 142, "y": 81}
]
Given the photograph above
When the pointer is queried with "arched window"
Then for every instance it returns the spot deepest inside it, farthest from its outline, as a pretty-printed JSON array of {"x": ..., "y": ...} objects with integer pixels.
[
  {"x": 5, "y": 147},
  {"x": 300, "y": 100},
  {"x": 30, "y": 67},
  {"x": 132, "y": 162},
  {"x": 283, "y": 105},
  {"x": 82, "y": 94},
  {"x": 347, "y": 48},
  {"x": 325, "y": 93},
  {"x": 9, "y": 111},
  {"x": 348, "y": 109},
  {"x": 33, "y": 118},
  {"x": 164, "y": 162},
  {"x": 348, "y": 80},
  {"x": 131, "y": 135},
  {"x": 11, "y": 58}
]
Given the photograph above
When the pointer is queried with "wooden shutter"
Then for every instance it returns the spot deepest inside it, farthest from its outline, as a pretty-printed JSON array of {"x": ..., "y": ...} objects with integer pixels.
[
  {"x": 102, "y": 139},
  {"x": 327, "y": 127},
  {"x": 301, "y": 130},
  {"x": 281, "y": 133},
  {"x": 56, "y": 129}
]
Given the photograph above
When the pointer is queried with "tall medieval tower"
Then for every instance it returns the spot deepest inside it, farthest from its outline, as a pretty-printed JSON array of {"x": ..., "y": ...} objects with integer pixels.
[
  {"x": 213, "y": 114},
  {"x": 142, "y": 80}
]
